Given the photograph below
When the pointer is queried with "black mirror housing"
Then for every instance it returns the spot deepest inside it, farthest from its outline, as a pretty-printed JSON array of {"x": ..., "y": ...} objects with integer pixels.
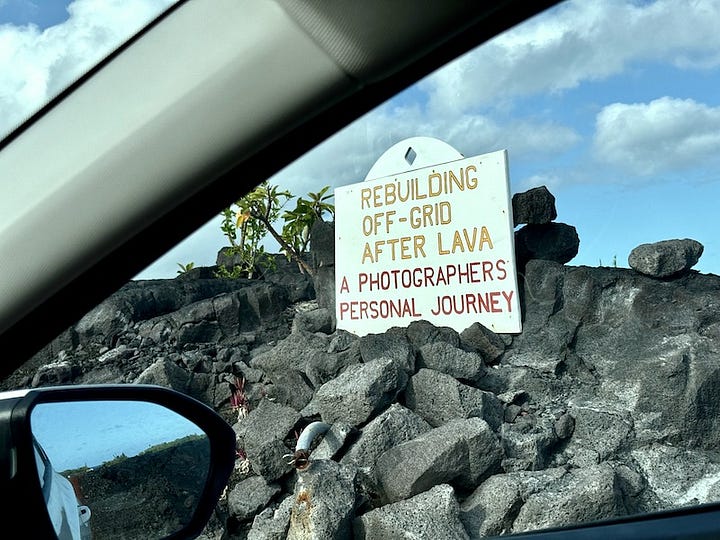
[{"x": 22, "y": 472}]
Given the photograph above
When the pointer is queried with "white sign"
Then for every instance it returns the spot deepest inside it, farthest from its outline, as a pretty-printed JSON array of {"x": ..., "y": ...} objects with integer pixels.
[{"x": 434, "y": 243}]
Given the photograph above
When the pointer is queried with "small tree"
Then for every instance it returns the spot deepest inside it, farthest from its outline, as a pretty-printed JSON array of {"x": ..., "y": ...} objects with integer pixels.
[
  {"x": 256, "y": 215},
  {"x": 299, "y": 222},
  {"x": 245, "y": 231}
]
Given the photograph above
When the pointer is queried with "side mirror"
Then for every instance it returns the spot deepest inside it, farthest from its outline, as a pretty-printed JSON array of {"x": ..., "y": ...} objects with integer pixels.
[{"x": 111, "y": 461}]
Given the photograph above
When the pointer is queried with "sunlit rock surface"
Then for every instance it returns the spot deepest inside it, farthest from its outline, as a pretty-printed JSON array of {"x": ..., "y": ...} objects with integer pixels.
[{"x": 607, "y": 404}]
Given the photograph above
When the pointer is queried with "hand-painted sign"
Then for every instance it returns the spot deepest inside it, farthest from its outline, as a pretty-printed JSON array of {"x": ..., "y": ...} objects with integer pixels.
[{"x": 434, "y": 243}]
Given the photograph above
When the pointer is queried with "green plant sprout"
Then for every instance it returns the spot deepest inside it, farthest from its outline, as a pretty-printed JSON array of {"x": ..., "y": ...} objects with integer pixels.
[
  {"x": 299, "y": 222},
  {"x": 185, "y": 268}
]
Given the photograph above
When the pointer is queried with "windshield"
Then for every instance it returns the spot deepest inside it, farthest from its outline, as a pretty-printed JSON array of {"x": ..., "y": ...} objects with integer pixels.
[{"x": 46, "y": 46}]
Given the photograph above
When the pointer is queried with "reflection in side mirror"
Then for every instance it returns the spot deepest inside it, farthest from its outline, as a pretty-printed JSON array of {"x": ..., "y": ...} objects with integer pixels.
[{"x": 118, "y": 469}]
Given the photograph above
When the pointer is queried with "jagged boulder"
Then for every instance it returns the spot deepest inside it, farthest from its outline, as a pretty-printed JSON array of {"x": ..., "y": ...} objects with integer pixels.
[
  {"x": 394, "y": 426},
  {"x": 666, "y": 258},
  {"x": 262, "y": 435},
  {"x": 445, "y": 358},
  {"x": 323, "y": 503},
  {"x": 432, "y": 514},
  {"x": 305, "y": 353},
  {"x": 535, "y": 206},
  {"x": 322, "y": 240},
  {"x": 361, "y": 391},
  {"x": 273, "y": 522},
  {"x": 527, "y": 501},
  {"x": 250, "y": 496},
  {"x": 579, "y": 496},
  {"x": 459, "y": 452},
  {"x": 387, "y": 345},
  {"x": 528, "y": 443},
  {"x": 439, "y": 398},
  {"x": 558, "y": 242}
]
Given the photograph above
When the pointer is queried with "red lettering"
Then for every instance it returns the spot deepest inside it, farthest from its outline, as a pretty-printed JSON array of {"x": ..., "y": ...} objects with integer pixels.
[
  {"x": 487, "y": 267},
  {"x": 501, "y": 268},
  {"x": 494, "y": 302},
  {"x": 508, "y": 298}
]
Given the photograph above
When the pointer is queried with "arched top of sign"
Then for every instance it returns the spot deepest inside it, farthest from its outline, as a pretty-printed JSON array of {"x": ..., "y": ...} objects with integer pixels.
[{"x": 412, "y": 153}]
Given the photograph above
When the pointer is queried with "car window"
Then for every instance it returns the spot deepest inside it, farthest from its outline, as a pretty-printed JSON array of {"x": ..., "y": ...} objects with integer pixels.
[
  {"x": 46, "y": 46},
  {"x": 604, "y": 405}
]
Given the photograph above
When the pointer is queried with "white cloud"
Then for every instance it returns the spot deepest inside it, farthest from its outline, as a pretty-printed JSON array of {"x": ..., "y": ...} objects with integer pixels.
[
  {"x": 575, "y": 42},
  {"x": 37, "y": 64},
  {"x": 346, "y": 157},
  {"x": 550, "y": 181},
  {"x": 666, "y": 134}
]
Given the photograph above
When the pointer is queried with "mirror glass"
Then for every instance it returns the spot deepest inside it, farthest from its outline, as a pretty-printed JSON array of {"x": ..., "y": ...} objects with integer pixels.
[{"x": 118, "y": 469}]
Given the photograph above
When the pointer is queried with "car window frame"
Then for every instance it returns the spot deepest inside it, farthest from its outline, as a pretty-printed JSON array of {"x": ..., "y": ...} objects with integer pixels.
[{"x": 108, "y": 274}]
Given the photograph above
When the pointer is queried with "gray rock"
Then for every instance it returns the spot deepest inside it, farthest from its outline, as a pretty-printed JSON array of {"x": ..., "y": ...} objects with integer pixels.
[
  {"x": 341, "y": 341},
  {"x": 249, "y": 496},
  {"x": 393, "y": 426},
  {"x": 272, "y": 523},
  {"x": 316, "y": 320},
  {"x": 527, "y": 443},
  {"x": 104, "y": 322},
  {"x": 443, "y": 357},
  {"x": 323, "y": 504},
  {"x": 492, "y": 507},
  {"x": 359, "y": 392},
  {"x": 165, "y": 373},
  {"x": 631, "y": 342},
  {"x": 666, "y": 258},
  {"x": 322, "y": 243},
  {"x": 535, "y": 206},
  {"x": 599, "y": 435},
  {"x": 196, "y": 323},
  {"x": 262, "y": 434},
  {"x": 251, "y": 375},
  {"x": 303, "y": 352},
  {"x": 144, "y": 300},
  {"x": 332, "y": 441},
  {"x": 484, "y": 341},
  {"x": 564, "y": 426},
  {"x": 289, "y": 388},
  {"x": 545, "y": 341},
  {"x": 287, "y": 275},
  {"x": 421, "y": 333},
  {"x": 387, "y": 345},
  {"x": 439, "y": 398},
  {"x": 460, "y": 452},
  {"x": 581, "y": 496},
  {"x": 433, "y": 514},
  {"x": 322, "y": 250},
  {"x": 556, "y": 242},
  {"x": 679, "y": 477},
  {"x": 53, "y": 374}
]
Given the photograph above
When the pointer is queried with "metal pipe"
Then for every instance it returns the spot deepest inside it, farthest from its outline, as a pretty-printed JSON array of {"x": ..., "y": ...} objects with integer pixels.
[{"x": 301, "y": 457}]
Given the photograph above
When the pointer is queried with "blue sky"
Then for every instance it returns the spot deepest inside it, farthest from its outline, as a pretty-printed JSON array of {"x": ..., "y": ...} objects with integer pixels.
[
  {"x": 613, "y": 105},
  {"x": 103, "y": 430},
  {"x": 43, "y": 13}
]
